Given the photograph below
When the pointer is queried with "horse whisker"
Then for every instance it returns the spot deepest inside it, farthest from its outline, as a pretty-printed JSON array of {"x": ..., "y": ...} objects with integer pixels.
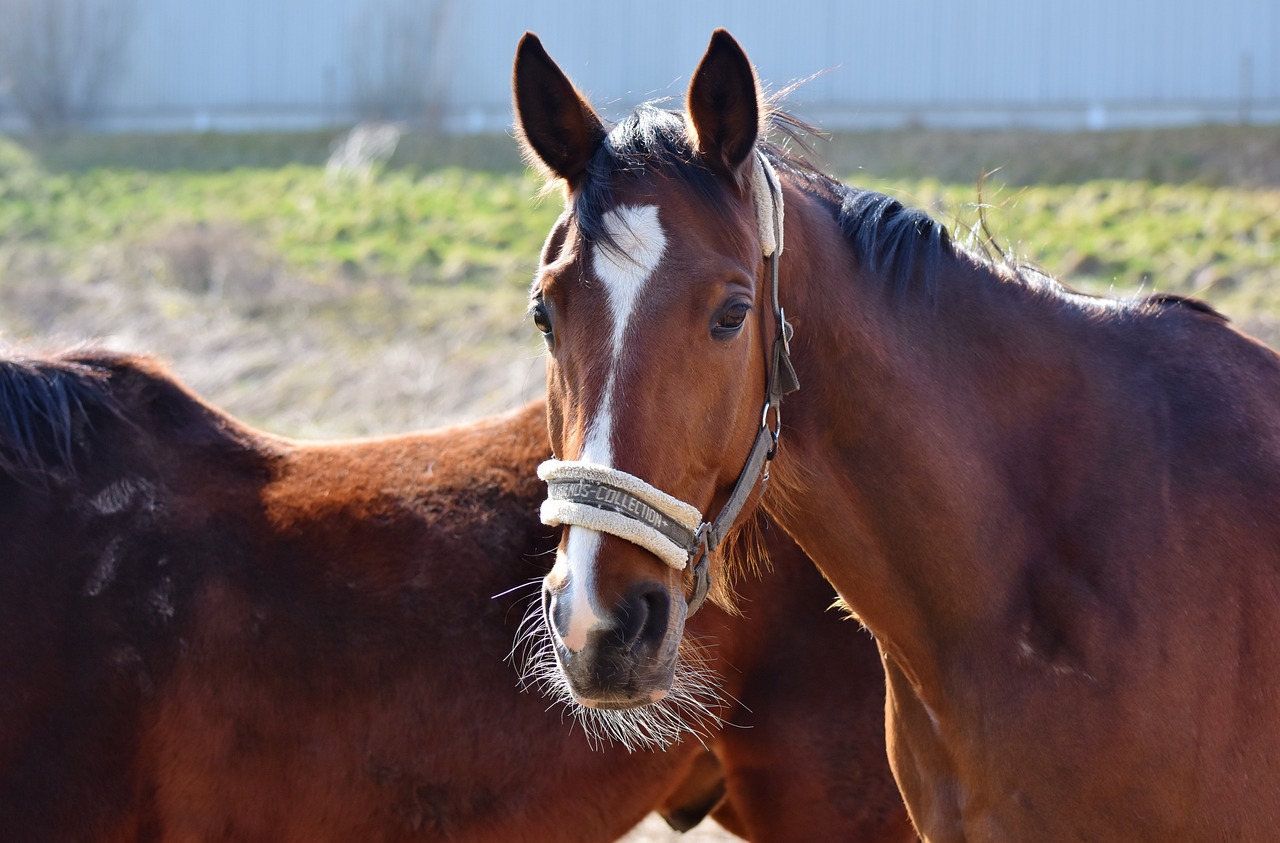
[
  {"x": 693, "y": 707},
  {"x": 531, "y": 583}
]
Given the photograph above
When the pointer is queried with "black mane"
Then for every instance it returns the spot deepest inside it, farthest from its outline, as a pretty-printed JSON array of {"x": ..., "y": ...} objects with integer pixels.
[
  {"x": 63, "y": 415},
  {"x": 47, "y": 408},
  {"x": 904, "y": 244},
  {"x": 900, "y": 243}
]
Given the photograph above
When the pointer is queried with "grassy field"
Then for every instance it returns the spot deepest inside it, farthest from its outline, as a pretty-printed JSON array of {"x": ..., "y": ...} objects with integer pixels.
[{"x": 322, "y": 305}]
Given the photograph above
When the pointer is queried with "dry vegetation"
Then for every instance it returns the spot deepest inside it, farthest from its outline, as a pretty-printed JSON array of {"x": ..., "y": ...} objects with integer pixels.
[{"x": 331, "y": 356}]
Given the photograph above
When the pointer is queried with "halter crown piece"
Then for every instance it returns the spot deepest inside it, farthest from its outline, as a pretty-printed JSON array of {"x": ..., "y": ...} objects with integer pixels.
[{"x": 605, "y": 499}]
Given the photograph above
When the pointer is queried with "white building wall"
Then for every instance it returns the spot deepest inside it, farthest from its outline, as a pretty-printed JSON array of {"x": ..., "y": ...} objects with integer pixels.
[
  {"x": 242, "y": 64},
  {"x": 982, "y": 62}
]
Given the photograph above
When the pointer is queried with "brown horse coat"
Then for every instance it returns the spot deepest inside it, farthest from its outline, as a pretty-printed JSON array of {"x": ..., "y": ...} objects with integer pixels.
[
  {"x": 208, "y": 633},
  {"x": 1059, "y": 514}
]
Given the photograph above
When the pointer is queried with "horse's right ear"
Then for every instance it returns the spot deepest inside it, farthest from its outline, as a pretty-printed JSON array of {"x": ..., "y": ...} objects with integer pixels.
[
  {"x": 724, "y": 105},
  {"x": 556, "y": 125}
]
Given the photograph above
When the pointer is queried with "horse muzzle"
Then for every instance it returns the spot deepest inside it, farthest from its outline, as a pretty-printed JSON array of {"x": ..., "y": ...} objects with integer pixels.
[{"x": 627, "y": 657}]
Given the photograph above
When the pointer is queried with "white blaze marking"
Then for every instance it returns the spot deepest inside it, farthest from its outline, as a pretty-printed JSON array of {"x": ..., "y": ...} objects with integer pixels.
[
  {"x": 581, "y": 544},
  {"x": 624, "y": 270}
]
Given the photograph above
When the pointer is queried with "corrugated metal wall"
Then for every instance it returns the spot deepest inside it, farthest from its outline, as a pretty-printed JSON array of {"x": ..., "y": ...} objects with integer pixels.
[
  {"x": 261, "y": 63},
  {"x": 929, "y": 60}
]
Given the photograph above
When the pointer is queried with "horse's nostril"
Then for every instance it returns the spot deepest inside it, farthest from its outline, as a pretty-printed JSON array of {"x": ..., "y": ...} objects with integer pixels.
[{"x": 644, "y": 616}]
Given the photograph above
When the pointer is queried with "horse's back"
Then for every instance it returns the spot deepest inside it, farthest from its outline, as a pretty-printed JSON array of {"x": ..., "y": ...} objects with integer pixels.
[
  {"x": 94, "y": 574},
  {"x": 1229, "y": 570}
]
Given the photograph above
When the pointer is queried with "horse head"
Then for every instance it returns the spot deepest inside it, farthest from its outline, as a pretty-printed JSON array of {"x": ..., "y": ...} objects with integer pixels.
[{"x": 657, "y": 300}]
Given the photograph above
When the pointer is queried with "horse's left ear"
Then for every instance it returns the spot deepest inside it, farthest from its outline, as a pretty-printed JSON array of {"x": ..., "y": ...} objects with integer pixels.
[{"x": 724, "y": 105}]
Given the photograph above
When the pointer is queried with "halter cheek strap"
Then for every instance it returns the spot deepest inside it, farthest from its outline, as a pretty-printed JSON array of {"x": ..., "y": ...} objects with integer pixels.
[{"x": 605, "y": 499}]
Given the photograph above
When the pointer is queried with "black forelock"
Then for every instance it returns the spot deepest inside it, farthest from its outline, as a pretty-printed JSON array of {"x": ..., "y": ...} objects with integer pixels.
[
  {"x": 649, "y": 140},
  {"x": 904, "y": 245}
]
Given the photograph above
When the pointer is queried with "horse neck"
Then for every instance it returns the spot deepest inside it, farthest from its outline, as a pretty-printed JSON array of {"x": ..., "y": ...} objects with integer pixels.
[{"x": 896, "y": 454}]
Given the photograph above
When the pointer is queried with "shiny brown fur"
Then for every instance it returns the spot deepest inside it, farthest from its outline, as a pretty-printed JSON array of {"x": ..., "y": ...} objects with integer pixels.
[
  {"x": 1058, "y": 513},
  {"x": 212, "y": 634}
]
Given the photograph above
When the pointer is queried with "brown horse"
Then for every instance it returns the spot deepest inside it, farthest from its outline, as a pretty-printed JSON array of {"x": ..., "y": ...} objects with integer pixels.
[
  {"x": 1056, "y": 513},
  {"x": 209, "y": 633}
]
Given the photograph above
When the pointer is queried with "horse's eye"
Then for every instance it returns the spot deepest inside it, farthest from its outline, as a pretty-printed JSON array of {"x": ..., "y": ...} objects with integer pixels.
[
  {"x": 541, "y": 319},
  {"x": 730, "y": 320}
]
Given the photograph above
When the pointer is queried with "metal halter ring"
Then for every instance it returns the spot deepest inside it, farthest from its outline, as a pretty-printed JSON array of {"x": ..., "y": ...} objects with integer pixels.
[{"x": 774, "y": 432}]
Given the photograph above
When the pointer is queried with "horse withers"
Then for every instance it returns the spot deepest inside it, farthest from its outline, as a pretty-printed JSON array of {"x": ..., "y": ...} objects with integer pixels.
[
  {"x": 1056, "y": 512},
  {"x": 211, "y": 633}
]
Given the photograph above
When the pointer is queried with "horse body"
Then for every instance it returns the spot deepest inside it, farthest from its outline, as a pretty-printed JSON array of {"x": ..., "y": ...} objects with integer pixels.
[
  {"x": 1080, "y": 588},
  {"x": 1055, "y": 512},
  {"x": 214, "y": 634}
]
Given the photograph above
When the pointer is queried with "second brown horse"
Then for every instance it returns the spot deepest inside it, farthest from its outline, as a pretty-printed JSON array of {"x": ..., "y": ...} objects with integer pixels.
[{"x": 209, "y": 633}]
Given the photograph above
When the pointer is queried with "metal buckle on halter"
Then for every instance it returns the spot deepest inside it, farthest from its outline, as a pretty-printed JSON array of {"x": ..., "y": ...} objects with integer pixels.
[
  {"x": 775, "y": 432},
  {"x": 702, "y": 541}
]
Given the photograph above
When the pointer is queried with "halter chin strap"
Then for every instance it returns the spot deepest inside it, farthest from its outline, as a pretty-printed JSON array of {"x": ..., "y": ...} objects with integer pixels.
[{"x": 605, "y": 499}]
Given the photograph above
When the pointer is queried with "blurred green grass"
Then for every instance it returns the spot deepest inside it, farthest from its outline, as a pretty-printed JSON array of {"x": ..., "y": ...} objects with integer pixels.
[
  {"x": 442, "y": 227},
  {"x": 306, "y": 304},
  {"x": 481, "y": 228}
]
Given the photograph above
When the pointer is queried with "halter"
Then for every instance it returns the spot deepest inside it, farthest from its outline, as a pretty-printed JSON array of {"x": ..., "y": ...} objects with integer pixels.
[{"x": 605, "y": 499}]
